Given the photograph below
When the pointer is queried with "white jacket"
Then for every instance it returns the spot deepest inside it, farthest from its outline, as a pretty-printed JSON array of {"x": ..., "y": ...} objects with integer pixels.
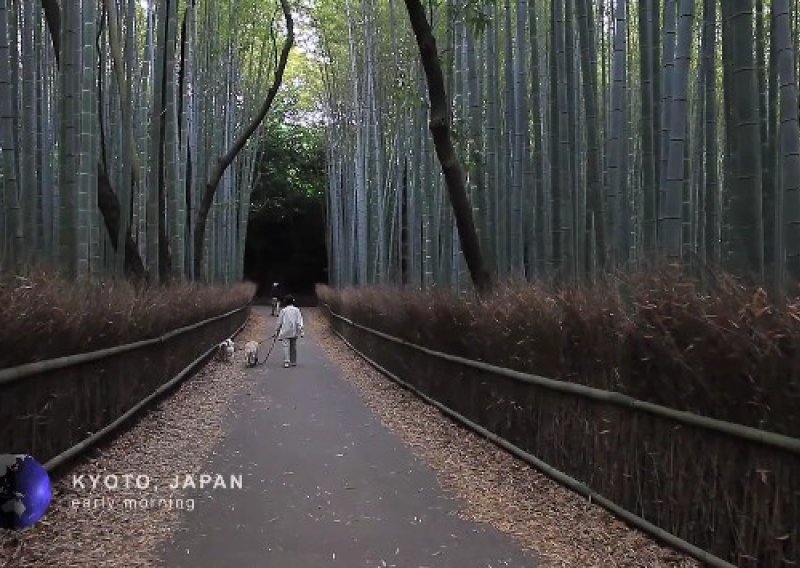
[{"x": 290, "y": 323}]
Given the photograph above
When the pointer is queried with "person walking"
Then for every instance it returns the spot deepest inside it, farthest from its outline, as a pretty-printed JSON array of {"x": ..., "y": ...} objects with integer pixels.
[
  {"x": 290, "y": 327},
  {"x": 274, "y": 295}
]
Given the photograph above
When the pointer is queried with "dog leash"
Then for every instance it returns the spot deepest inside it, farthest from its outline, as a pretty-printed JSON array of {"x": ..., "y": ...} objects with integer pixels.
[{"x": 274, "y": 340}]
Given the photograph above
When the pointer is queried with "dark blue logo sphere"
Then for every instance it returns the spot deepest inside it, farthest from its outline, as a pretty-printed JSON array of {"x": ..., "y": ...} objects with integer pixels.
[{"x": 25, "y": 491}]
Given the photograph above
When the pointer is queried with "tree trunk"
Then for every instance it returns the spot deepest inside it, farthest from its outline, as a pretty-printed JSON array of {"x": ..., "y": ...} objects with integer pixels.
[
  {"x": 666, "y": 72},
  {"x": 649, "y": 182},
  {"x": 672, "y": 191},
  {"x": 573, "y": 196},
  {"x": 539, "y": 252},
  {"x": 107, "y": 202},
  {"x": 594, "y": 180},
  {"x": 746, "y": 231},
  {"x": 451, "y": 166},
  {"x": 109, "y": 207},
  {"x": 28, "y": 171},
  {"x": 711, "y": 188},
  {"x": 617, "y": 140},
  {"x": 52, "y": 14},
  {"x": 556, "y": 183},
  {"x": 789, "y": 133},
  {"x": 8, "y": 149},
  {"x": 768, "y": 192},
  {"x": 224, "y": 161}
]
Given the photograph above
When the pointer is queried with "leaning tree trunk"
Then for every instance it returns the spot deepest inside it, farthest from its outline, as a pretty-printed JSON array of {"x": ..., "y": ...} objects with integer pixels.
[
  {"x": 223, "y": 162},
  {"x": 445, "y": 151},
  {"x": 110, "y": 208}
]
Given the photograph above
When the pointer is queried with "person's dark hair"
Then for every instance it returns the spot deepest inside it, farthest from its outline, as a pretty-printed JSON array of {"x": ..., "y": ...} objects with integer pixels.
[{"x": 288, "y": 300}]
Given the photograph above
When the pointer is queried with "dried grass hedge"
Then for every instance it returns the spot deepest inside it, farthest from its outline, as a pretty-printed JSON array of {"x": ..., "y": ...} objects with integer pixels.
[
  {"x": 728, "y": 354},
  {"x": 43, "y": 316}
]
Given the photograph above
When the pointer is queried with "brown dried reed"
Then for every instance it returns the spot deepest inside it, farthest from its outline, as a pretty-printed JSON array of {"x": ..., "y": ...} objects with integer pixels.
[
  {"x": 43, "y": 316},
  {"x": 716, "y": 348}
]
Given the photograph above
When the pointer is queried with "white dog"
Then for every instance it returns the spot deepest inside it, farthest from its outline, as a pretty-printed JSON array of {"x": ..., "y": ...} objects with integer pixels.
[
  {"x": 225, "y": 350},
  {"x": 251, "y": 353}
]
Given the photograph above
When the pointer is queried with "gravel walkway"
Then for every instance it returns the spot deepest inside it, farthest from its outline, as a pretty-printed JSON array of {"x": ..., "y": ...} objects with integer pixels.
[
  {"x": 497, "y": 488},
  {"x": 173, "y": 438}
]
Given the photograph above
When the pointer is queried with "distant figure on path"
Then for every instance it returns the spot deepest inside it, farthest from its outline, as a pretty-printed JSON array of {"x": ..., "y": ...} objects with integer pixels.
[
  {"x": 275, "y": 293},
  {"x": 290, "y": 327}
]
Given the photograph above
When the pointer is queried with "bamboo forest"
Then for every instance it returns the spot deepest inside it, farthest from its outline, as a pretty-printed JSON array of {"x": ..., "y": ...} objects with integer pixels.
[
  {"x": 594, "y": 135},
  {"x": 443, "y": 283},
  {"x": 123, "y": 132}
]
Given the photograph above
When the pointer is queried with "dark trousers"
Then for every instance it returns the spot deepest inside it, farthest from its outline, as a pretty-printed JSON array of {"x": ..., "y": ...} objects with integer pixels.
[{"x": 290, "y": 350}]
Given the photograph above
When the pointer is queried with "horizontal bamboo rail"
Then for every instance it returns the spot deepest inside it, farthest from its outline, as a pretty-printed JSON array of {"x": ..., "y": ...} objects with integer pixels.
[
  {"x": 558, "y": 476},
  {"x": 95, "y": 438},
  {"x": 13, "y": 374},
  {"x": 763, "y": 437}
]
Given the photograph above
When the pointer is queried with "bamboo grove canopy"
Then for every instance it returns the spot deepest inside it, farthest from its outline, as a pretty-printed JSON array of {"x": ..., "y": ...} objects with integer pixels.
[
  {"x": 595, "y": 135},
  {"x": 123, "y": 130}
]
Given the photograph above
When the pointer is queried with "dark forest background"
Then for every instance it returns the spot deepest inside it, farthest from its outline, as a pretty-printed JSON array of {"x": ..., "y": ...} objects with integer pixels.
[{"x": 286, "y": 231}]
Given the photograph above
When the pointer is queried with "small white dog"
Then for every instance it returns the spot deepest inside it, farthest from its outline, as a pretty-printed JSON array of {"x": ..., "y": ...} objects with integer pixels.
[
  {"x": 225, "y": 351},
  {"x": 251, "y": 353}
]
